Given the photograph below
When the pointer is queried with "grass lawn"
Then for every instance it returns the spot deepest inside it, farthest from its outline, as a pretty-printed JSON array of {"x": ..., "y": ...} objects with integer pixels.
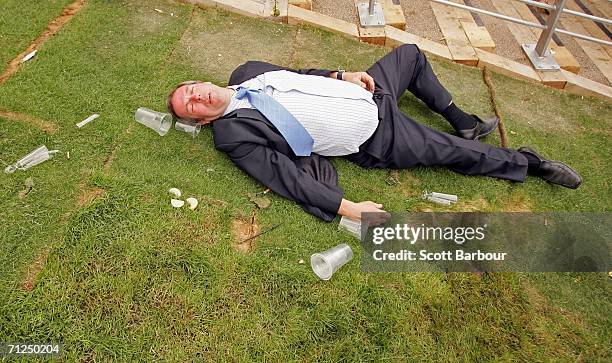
[{"x": 97, "y": 259}]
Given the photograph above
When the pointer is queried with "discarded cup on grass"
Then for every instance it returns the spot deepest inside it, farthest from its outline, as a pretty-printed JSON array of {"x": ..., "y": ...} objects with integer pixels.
[
  {"x": 326, "y": 263},
  {"x": 36, "y": 157},
  {"x": 191, "y": 129},
  {"x": 351, "y": 226},
  {"x": 158, "y": 121},
  {"x": 440, "y": 198}
]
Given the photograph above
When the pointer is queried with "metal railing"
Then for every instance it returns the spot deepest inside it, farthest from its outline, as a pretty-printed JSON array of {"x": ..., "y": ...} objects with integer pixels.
[{"x": 539, "y": 54}]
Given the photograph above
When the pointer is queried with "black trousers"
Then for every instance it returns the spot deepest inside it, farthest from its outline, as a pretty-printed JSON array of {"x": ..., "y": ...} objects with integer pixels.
[{"x": 400, "y": 142}]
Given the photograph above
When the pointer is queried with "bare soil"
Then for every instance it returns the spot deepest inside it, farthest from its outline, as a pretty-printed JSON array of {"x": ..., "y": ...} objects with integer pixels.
[
  {"x": 54, "y": 26},
  {"x": 46, "y": 126}
]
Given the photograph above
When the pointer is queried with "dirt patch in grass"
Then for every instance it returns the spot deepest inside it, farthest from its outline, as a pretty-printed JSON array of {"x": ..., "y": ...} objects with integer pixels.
[
  {"x": 516, "y": 202},
  {"x": 474, "y": 205},
  {"x": 46, "y": 126},
  {"x": 243, "y": 230},
  {"x": 147, "y": 20},
  {"x": 88, "y": 195},
  {"x": 54, "y": 26},
  {"x": 109, "y": 160},
  {"x": 218, "y": 41},
  {"x": 34, "y": 269}
]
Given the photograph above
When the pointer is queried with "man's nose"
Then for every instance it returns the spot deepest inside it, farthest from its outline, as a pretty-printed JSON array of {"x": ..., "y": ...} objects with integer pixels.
[{"x": 196, "y": 97}]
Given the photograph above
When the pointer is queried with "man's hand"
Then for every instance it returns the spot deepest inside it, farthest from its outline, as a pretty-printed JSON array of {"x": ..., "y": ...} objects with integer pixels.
[
  {"x": 353, "y": 210},
  {"x": 361, "y": 79}
]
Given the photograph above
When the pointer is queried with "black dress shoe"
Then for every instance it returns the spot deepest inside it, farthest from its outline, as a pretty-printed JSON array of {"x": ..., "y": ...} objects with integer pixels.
[
  {"x": 482, "y": 128},
  {"x": 555, "y": 172}
]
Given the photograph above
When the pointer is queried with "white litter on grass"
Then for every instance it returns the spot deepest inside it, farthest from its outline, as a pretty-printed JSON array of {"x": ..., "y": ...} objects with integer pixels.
[
  {"x": 29, "y": 56},
  {"x": 440, "y": 198},
  {"x": 159, "y": 11},
  {"x": 39, "y": 155},
  {"x": 87, "y": 120},
  {"x": 175, "y": 191},
  {"x": 177, "y": 203},
  {"x": 193, "y": 203}
]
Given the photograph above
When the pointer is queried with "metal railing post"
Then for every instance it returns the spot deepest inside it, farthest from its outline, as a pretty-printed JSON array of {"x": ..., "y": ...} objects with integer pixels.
[
  {"x": 371, "y": 15},
  {"x": 539, "y": 54},
  {"x": 547, "y": 34}
]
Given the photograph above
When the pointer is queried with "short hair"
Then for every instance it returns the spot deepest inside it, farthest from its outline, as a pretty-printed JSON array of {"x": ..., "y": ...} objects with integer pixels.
[{"x": 171, "y": 108}]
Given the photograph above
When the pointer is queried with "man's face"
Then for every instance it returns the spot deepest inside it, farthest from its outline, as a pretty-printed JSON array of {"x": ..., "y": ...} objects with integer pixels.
[{"x": 201, "y": 101}]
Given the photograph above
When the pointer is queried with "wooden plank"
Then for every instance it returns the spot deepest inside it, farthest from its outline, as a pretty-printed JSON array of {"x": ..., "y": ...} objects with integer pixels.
[
  {"x": 523, "y": 35},
  {"x": 281, "y": 6},
  {"x": 595, "y": 51},
  {"x": 456, "y": 40},
  {"x": 478, "y": 35},
  {"x": 589, "y": 25},
  {"x": 601, "y": 8},
  {"x": 297, "y": 15},
  {"x": 562, "y": 55},
  {"x": 584, "y": 86},
  {"x": 304, "y": 4},
  {"x": 396, "y": 37},
  {"x": 506, "y": 66},
  {"x": 242, "y": 7},
  {"x": 373, "y": 35},
  {"x": 394, "y": 15}
]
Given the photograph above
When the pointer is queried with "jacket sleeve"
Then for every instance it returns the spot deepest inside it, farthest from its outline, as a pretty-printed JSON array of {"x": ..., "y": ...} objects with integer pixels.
[
  {"x": 315, "y": 72},
  {"x": 279, "y": 173}
]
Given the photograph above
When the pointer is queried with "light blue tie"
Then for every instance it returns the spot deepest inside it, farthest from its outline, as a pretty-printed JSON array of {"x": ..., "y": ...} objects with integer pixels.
[{"x": 292, "y": 130}]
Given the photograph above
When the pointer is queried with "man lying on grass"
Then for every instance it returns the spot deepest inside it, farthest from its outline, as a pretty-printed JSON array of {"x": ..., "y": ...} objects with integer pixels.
[{"x": 276, "y": 124}]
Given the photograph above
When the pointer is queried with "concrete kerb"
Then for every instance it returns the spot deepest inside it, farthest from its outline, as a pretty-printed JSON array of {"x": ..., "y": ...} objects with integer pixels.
[{"x": 394, "y": 37}]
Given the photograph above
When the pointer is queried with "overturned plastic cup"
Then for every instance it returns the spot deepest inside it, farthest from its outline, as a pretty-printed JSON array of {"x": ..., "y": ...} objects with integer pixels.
[
  {"x": 326, "y": 263},
  {"x": 191, "y": 129},
  {"x": 39, "y": 155},
  {"x": 158, "y": 121}
]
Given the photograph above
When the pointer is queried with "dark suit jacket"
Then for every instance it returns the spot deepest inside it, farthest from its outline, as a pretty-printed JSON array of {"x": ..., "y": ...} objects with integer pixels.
[{"x": 256, "y": 146}]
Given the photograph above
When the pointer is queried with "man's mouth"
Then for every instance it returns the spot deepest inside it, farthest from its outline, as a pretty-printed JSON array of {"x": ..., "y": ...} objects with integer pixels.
[{"x": 210, "y": 98}]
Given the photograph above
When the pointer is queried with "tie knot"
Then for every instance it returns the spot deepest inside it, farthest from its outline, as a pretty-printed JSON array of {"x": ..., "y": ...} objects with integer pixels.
[{"x": 242, "y": 91}]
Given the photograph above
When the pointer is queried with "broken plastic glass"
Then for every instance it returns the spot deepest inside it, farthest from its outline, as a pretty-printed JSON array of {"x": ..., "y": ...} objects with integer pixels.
[{"x": 36, "y": 157}]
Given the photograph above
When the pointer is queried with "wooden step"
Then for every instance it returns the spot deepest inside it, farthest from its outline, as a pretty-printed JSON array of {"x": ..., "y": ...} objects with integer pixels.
[
  {"x": 394, "y": 15},
  {"x": 478, "y": 36},
  {"x": 396, "y": 37},
  {"x": 595, "y": 51},
  {"x": 304, "y": 4},
  {"x": 589, "y": 25},
  {"x": 523, "y": 35},
  {"x": 601, "y": 8},
  {"x": 562, "y": 55},
  {"x": 457, "y": 41},
  {"x": 298, "y": 15}
]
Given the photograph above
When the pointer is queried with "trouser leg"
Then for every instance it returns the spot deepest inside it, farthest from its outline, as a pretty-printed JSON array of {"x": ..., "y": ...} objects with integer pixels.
[
  {"x": 407, "y": 68},
  {"x": 414, "y": 144}
]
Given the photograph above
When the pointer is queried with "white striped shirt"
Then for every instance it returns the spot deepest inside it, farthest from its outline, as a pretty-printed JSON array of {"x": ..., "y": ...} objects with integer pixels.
[{"x": 338, "y": 115}]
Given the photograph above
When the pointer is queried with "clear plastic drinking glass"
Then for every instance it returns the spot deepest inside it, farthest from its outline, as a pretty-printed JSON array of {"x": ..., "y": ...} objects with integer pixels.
[
  {"x": 39, "y": 155},
  {"x": 325, "y": 264},
  {"x": 191, "y": 129},
  {"x": 158, "y": 121}
]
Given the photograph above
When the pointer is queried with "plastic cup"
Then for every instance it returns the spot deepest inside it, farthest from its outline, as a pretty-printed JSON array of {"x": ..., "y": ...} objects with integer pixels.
[
  {"x": 158, "y": 121},
  {"x": 191, "y": 129},
  {"x": 39, "y": 155},
  {"x": 325, "y": 264}
]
